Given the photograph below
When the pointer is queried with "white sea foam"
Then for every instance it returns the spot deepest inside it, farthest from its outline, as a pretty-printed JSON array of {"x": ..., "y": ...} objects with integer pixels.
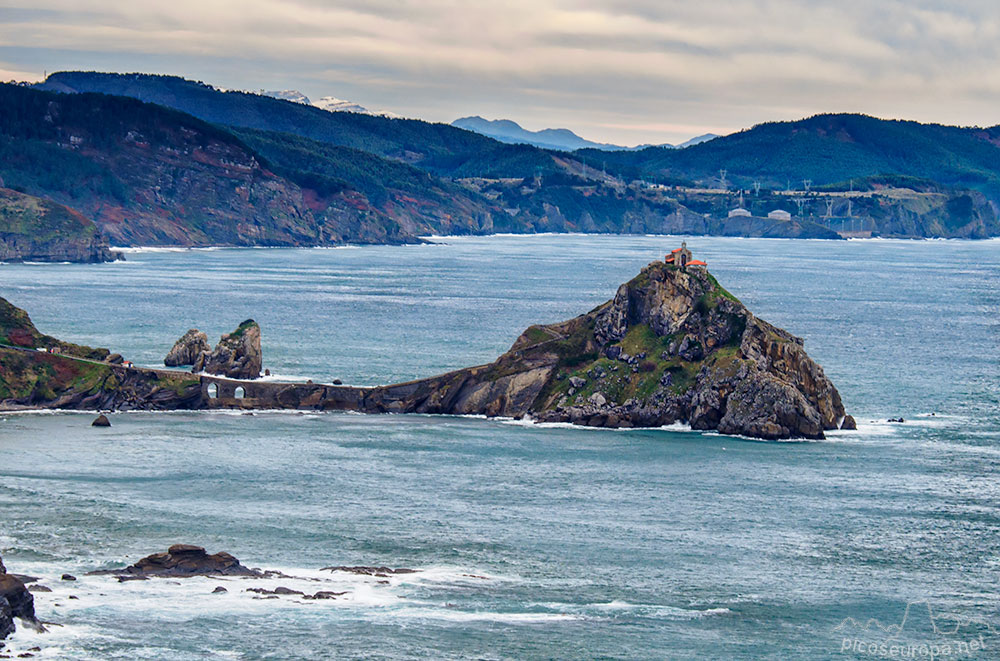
[
  {"x": 617, "y": 608},
  {"x": 530, "y": 422},
  {"x": 408, "y": 596},
  {"x": 154, "y": 249},
  {"x": 456, "y": 615}
]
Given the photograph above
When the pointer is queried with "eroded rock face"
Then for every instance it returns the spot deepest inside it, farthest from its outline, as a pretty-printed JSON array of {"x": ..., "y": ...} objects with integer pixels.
[
  {"x": 187, "y": 349},
  {"x": 40, "y": 230},
  {"x": 236, "y": 356},
  {"x": 181, "y": 561},
  {"x": 672, "y": 346},
  {"x": 15, "y": 602}
]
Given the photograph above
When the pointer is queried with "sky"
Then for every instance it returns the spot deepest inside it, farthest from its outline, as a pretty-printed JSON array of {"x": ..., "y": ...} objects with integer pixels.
[{"x": 626, "y": 72}]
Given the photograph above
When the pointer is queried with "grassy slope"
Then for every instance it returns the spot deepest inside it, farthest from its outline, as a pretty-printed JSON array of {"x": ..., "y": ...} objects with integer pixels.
[
  {"x": 573, "y": 342},
  {"x": 41, "y": 219},
  {"x": 330, "y": 169},
  {"x": 45, "y": 375},
  {"x": 157, "y": 172},
  {"x": 37, "y": 377}
]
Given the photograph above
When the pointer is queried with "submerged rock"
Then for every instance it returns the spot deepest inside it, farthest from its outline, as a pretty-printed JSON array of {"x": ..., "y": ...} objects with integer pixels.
[
  {"x": 849, "y": 423},
  {"x": 187, "y": 349},
  {"x": 280, "y": 591},
  {"x": 182, "y": 561},
  {"x": 370, "y": 571},
  {"x": 236, "y": 356},
  {"x": 101, "y": 421}
]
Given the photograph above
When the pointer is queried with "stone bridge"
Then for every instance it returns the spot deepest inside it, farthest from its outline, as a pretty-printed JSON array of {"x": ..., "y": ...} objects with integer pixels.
[
  {"x": 219, "y": 392},
  {"x": 424, "y": 395}
]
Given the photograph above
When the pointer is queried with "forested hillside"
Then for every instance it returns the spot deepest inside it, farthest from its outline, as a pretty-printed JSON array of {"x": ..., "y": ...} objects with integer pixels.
[
  {"x": 827, "y": 149},
  {"x": 246, "y": 169},
  {"x": 437, "y": 148},
  {"x": 151, "y": 175}
]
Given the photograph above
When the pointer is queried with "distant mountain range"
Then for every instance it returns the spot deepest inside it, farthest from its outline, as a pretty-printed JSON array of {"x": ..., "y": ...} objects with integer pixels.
[
  {"x": 331, "y": 103},
  {"x": 194, "y": 165},
  {"x": 509, "y": 131}
]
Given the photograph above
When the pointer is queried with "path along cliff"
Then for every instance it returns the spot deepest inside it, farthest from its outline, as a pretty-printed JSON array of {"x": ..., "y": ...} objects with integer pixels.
[{"x": 671, "y": 346}]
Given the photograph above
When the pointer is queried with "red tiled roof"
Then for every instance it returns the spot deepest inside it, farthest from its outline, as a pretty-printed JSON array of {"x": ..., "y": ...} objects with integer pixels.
[
  {"x": 697, "y": 262},
  {"x": 675, "y": 250}
]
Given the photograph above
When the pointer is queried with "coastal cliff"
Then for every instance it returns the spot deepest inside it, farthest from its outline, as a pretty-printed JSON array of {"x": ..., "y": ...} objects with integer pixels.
[
  {"x": 40, "y": 371},
  {"x": 39, "y": 230}
]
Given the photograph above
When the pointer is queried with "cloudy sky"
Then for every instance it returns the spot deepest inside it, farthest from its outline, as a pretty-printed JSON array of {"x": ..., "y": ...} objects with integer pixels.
[{"x": 612, "y": 70}]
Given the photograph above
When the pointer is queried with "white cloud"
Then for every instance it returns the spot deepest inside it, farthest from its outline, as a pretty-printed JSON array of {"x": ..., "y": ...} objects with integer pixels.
[{"x": 617, "y": 70}]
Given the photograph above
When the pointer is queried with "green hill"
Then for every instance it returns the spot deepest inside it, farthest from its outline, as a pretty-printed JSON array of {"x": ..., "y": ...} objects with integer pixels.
[
  {"x": 437, "y": 148},
  {"x": 317, "y": 176},
  {"x": 829, "y": 149},
  {"x": 151, "y": 175}
]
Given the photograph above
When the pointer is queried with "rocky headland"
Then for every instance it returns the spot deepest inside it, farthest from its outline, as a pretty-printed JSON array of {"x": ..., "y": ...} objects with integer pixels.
[
  {"x": 38, "y": 230},
  {"x": 671, "y": 346}
]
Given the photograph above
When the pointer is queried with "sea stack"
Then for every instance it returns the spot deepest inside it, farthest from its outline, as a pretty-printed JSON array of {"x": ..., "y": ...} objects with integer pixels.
[
  {"x": 236, "y": 356},
  {"x": 187, "y": 349}
]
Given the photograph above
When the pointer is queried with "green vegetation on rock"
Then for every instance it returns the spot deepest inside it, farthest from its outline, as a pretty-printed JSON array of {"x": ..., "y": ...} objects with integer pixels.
[
  {"x": 36, "y": 229},
  {"x": 16, "y": 329}
]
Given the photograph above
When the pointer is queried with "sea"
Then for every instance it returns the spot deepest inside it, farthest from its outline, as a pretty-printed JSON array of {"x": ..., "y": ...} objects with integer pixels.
[{"x": 530, "y": 541}]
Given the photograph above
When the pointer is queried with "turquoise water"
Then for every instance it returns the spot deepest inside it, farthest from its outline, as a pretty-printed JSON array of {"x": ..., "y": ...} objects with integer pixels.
[{"x": 533, "y": 542}]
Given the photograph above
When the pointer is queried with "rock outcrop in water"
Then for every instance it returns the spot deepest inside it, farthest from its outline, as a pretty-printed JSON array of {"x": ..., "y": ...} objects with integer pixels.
[
  {"x": 672, "y": 346},
  {"x": 187, "y": 349},
  {"x": 183, "y": 561},
  {"x": 236, "y": 356},
  {"x": 16, "y": 602}
]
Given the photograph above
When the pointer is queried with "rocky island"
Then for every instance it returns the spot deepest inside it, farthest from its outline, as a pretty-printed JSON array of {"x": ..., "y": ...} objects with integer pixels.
[{"x": 671, "y": 346}]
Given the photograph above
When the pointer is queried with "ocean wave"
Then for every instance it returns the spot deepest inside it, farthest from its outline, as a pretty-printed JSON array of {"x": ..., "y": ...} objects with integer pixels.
[
  {"x": 619, "y": 607},
  {"x": 530, "y": 422},
  {"x": 162, "y": 249},
  {"x": 423, "y": 595}
]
